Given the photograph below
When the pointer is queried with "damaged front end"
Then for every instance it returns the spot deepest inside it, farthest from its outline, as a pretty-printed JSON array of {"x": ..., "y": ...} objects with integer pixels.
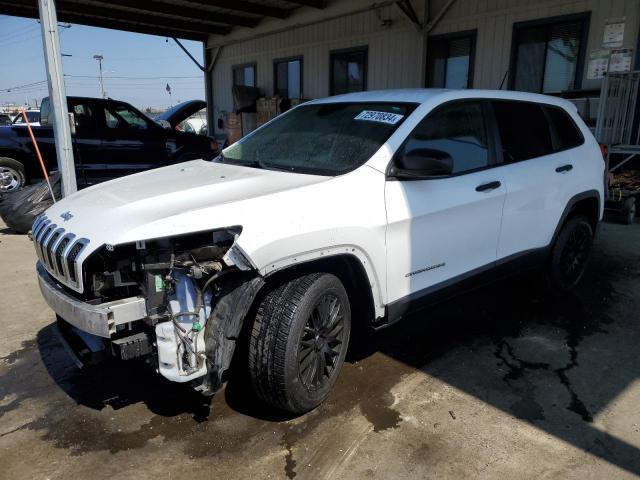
[{"x": 177, "y": 302}]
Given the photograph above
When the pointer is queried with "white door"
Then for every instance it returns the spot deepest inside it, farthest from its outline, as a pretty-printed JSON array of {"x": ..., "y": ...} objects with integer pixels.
[
  {"x": 440, "y": 229},
  {"x": 541, "y": 173}
]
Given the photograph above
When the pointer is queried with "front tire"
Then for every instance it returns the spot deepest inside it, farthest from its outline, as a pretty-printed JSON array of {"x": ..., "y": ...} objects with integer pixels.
[
  {"x": 12, "y": 175},
  {"x": 570, "y": 253},
  {"x": 299, "y": 342}
]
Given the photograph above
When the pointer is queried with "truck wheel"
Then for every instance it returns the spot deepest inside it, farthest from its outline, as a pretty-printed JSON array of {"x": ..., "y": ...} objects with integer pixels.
[
  {"x": 299, "y": 341},
  {"x": 12, "y": 176},
  {"x": 629, "y": 211},
  {"x": 570, "y": 253}
]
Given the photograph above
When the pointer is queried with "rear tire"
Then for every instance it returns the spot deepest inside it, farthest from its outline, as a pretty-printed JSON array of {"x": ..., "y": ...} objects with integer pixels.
[
  {"x": 299, "y": 341},
  {"x": 570, "y": 254},
  {"x": 12, "y": 175},
  {"x": 629, "y": 211}
]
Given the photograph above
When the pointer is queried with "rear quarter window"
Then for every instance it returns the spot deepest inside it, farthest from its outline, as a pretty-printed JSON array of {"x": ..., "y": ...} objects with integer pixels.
[
  {"x": 524, "y": 130},
  {"x": 567, "y": 133}
]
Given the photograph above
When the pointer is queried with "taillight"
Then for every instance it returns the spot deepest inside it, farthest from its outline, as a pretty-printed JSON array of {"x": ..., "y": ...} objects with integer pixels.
[
  {"x": 607, "y": 176},
  {"x": 603, "y": 150}
]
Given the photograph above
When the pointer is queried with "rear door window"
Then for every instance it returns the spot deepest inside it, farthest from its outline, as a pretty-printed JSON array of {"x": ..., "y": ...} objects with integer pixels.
[
  {"x": 83, "y": 116},
  {"x": 524, "y": 130},
  {"x": 567, "y": 133},
  {"x": 457, "y": 129}
]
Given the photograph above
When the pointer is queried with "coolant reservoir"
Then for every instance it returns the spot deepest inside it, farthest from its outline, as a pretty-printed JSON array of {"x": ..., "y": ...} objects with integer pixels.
[{"x": 170, "y": 349}]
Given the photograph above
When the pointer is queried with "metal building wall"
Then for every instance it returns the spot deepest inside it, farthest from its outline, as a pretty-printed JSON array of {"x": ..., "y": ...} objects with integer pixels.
[
  {"x": 494, "y": 21},
  {"x": 395, "y": 51}
]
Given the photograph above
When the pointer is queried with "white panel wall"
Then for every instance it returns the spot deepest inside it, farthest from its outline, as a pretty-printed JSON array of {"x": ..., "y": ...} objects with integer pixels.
[
  {"x": 494, "y": 21},
  {"x": 395, "y": 52}
]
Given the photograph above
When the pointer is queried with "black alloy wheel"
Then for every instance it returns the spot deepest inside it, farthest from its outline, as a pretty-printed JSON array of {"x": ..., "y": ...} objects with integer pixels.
[
  {"x": 321, "y": 343},
  {"x": 299, "y": 341},
  {"x": 575, "y": 254},
  {"x": 570, "y": 254}
]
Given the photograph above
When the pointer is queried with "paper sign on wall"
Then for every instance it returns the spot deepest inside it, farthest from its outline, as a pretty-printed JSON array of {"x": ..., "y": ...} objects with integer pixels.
[
  {"x": 598, "y": 64},
  {"x": 621, "y": 60},
  {"x": 613, "y": 32}
]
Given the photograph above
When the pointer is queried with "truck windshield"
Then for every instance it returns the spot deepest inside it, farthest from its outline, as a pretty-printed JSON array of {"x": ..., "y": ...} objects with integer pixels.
[{"x": 323, "y": 139}]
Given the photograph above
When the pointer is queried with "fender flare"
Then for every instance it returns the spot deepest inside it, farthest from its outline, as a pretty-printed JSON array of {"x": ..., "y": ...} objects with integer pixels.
[
  {"x": 567, "y": 210},
  {"x": 324, "y": 253}
]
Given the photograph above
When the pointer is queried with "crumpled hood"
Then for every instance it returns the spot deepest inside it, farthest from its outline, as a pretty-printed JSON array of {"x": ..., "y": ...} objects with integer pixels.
[{"x": 182, "y": 198}]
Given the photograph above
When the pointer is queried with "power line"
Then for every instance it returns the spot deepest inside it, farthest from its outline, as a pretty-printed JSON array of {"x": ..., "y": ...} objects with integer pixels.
[
  {"x": 26, "y": 30},
  {"x": 199, "y": 77},
  {"x": 17, "y": 87},
  {"x": 135, "y": 78}
]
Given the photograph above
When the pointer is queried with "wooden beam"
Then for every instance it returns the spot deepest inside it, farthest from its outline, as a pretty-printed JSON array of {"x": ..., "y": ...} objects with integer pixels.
[
  {"x": 243, "y": 6},
  {"x": 197, "y": 14},
  {"x": 406, "y": 7},
  {"x": 310, "y": 3},
  {"x": 150, "y": 29},
  {"x": 63, "y": 6},
  {"x": 431, "y": 25}
]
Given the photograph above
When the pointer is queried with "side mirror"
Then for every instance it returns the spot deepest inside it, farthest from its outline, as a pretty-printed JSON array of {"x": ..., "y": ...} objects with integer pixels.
[
  {"x": 423, "y": 163},
  {"x": 72, "y": 123},
  {"x": 164, "y": 124}
]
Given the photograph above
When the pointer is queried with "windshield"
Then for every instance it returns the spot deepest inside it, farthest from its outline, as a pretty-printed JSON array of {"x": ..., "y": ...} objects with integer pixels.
[
  {"x": 33, "y": 117},
  {"x": 324, "y": 139},
  {"x": 121, "y": 116}
]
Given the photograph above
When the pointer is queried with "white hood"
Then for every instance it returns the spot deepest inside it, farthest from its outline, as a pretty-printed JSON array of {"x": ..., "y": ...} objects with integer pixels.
[
  {"x": 285, "y": 217},
  {"x": 169, "y": 201}
]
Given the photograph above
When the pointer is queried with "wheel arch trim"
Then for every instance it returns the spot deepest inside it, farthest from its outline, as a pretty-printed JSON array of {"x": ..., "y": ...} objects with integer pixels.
[
  {"x": 573, "y": 201},
  {"x": 327, "y": 253}
]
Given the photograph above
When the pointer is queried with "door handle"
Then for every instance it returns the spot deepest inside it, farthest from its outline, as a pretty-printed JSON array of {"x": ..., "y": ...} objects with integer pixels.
[
  {"x": 485, "y": 187},
  {"x": 564, "y": 168}
]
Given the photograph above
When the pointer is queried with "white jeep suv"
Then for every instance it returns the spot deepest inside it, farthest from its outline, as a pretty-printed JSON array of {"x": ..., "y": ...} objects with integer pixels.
[{"x": 357, "y": 208}]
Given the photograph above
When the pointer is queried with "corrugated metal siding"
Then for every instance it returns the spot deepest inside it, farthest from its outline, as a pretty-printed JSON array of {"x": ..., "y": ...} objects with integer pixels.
[
  {"x": 494, "y": 21},
  {"x": 395, "y": 53}
]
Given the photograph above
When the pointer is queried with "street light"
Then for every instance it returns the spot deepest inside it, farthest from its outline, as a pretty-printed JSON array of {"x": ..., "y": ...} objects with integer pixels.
[{"x": 99, "y": 59}]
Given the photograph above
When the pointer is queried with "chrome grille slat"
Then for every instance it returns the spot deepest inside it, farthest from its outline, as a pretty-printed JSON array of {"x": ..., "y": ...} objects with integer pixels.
[
  {"x": 43, "y": 243},
  {"x": 44, "y": 226},
  {"x": 59, "y": 254},
  {"x": 37, "y": 224},
  {"x": 58, "y": 251},
  {"x": 50, "y": 247},
  {"x": 37, "y": 236}
]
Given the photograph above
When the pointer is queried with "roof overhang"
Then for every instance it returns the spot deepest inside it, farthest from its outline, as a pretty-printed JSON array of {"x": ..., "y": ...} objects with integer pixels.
[{"x": 186, "y": 19}]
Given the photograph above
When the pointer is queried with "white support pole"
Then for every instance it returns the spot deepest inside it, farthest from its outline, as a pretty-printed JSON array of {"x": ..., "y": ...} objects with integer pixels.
[{"x": 57, "y": 95}]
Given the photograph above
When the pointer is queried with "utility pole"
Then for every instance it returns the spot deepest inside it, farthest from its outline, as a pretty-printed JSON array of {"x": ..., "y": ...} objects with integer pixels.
[
  {"x": 99, "y": 58},
  {"x": 57, "y": 95}
]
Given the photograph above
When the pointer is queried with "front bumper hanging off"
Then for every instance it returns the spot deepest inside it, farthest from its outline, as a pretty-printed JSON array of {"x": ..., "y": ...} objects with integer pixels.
[{"x": 101, "y": 320}]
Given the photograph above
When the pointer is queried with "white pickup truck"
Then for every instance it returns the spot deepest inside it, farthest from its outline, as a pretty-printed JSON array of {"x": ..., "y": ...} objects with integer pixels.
[{"x": 362, "y": 208}]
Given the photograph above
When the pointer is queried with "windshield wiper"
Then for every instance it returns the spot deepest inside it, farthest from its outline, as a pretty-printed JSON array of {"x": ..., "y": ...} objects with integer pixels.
[
  {"x": 242, "y": 163},
  {"x": 283, "y": 168},
  {"x": 256, "y": 164}
]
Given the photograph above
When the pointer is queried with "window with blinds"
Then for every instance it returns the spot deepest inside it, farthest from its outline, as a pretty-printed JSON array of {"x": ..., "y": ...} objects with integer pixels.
[
  {"x": 348, "y": 71},
  {"x": 548, "y": 55},
  {"x": 245, "y": 75},
  {"x": 288, "y": 77},
  {"x": 450, "y": 60}
]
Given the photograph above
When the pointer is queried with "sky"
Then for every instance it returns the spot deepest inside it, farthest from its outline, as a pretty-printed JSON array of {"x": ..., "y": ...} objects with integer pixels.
[{"x": 148, "y": 62}]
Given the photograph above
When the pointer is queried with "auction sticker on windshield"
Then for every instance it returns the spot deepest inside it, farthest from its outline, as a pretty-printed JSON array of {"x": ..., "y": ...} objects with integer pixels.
[{"x": 382, "y": 117}]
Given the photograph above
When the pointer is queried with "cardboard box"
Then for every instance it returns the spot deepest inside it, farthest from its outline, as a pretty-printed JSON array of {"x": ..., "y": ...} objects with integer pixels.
[
  {"x": 232, "y": 120},
  {"x": 266, "y": 109}
]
